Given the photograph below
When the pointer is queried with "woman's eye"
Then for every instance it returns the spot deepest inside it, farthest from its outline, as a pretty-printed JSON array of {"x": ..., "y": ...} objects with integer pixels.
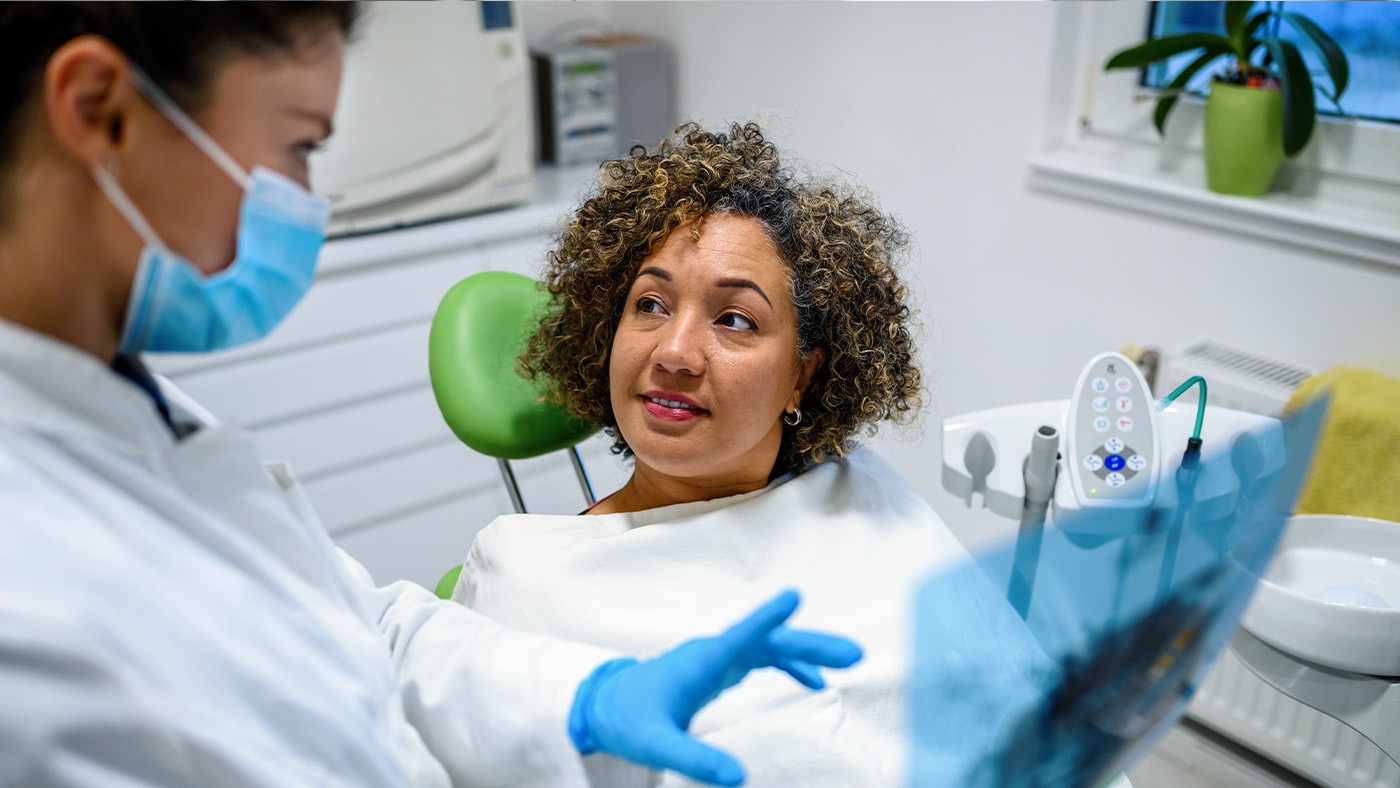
[
  {"x": 305, "y": 149},
  {"x": 736, "y": 321},
  {"x": 649, "y": 305}
]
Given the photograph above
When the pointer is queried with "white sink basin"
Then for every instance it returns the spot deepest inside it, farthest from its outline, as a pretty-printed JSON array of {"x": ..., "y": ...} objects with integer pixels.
[{"x": 1332, "y": 594}]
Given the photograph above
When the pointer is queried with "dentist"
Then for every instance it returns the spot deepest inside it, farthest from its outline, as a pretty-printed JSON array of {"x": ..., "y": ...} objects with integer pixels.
[{"x": 171, "y": 611}]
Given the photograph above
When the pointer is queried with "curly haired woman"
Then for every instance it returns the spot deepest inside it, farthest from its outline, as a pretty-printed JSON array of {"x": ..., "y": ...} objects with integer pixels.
[{"x": 734, "y": 327}]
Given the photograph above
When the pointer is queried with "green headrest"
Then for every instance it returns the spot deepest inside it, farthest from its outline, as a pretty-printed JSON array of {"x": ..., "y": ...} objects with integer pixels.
[
  {"x": 478, "y": 334},
  {"x": 448, "y": 583}
]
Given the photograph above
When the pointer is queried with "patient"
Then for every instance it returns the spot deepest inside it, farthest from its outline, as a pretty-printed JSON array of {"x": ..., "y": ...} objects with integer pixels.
[{"x": 735, "y": 328}]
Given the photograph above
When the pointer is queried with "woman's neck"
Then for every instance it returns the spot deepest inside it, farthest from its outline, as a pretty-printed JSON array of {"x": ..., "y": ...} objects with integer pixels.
[
  {"x": 53, "y": 272},
  {"x": 651, "y": 489}
]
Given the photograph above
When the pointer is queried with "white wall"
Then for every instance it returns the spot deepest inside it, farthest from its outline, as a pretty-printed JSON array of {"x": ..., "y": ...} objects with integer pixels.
[{"x": 935, "y": 107}]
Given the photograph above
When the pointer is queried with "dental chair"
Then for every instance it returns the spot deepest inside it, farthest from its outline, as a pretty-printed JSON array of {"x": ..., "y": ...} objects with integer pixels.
[{"x": 478, "y": 333}]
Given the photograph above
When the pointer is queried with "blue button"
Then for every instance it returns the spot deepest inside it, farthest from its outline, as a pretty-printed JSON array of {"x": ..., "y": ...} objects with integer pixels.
[{"x": 1114, "y": 462}]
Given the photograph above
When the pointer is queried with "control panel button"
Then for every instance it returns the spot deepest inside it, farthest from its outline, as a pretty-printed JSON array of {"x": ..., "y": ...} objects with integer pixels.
[
  {"x": 1125, "y": 404},
  {"x": 1125, "y": 424},
  {"x": 1100, "y": 385},
  {"x": 1114, "y": 462},
  {"x": 1113, "y": 445},
  {"x": 1116, "y": 480},
  {"x": 1100, "y": 404},
  {"x": 1123, "y": 385},
  {"x": 1093, "y": 462},
  {"x": 1101, "y": 424},
  {"x": 1136, "y": 462}
]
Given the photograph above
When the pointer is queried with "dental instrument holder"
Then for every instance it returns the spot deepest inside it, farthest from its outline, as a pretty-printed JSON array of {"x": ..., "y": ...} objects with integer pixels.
[
  {"x": 983, "y": 453},
  {"x": 986, "y": 458},
  {"x": 986, "y": 455}
]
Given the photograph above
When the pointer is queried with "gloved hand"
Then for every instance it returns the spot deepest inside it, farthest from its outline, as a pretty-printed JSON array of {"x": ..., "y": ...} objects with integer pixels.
[{"x": 641, "y": 710}]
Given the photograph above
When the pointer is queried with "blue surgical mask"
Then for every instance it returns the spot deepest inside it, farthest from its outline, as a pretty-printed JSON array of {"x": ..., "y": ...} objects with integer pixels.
[{"x": 174, "y": 307}]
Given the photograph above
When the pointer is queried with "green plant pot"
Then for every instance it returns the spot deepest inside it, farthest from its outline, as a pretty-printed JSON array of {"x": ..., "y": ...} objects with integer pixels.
[{"x": 1244, "y": 139}]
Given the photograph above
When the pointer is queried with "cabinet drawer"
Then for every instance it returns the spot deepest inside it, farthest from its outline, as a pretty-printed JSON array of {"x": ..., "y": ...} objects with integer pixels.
[
  {"x": 260, "y": 392},
  {"x": 397, "y": 486},
  {"x": 361, "y": 433}
]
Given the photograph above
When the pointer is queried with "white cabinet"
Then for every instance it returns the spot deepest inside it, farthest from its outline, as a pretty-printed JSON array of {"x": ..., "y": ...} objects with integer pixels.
[{"x": 341, "y": 391}]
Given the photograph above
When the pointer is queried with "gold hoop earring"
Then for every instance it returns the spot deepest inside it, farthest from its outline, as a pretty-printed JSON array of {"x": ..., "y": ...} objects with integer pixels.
[{"x": 796, "y": 415}]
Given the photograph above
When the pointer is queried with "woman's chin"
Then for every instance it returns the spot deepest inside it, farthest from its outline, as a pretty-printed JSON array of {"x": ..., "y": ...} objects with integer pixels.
[
  {"x": 704, "y": 468},
  {"x": 699, "y": 456},
  {"x": 678, "y": 461}
]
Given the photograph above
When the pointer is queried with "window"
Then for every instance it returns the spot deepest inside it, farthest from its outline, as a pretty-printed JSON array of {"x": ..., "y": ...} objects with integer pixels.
[
  {"x": 1369, "y": 33},
  {"x": 1341, "y": 195}
]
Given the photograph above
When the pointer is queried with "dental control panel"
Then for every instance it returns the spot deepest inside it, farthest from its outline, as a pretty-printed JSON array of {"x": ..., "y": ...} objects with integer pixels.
[{"x": 1112, "y": 435}]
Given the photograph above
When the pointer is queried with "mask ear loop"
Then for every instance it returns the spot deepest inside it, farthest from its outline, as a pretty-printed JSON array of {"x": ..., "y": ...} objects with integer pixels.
[
  {"x": 125, "y": 206},
  {"x": 177, "y": 117}
]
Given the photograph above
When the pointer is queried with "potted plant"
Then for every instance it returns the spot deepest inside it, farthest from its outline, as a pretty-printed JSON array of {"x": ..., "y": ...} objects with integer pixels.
[{"x": 1262, "y": 108}]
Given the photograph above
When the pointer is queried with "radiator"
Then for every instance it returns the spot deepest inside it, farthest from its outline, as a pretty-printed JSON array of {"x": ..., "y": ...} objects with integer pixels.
[
  {"x": 1239, "y": 705},
  {"x": 1238, "y": 379}
]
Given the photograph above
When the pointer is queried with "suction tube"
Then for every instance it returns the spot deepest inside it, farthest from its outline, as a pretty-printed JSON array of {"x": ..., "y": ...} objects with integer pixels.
[
  {"x": 1040, "y": 475},
  {"x": 1040, "y": 471}
]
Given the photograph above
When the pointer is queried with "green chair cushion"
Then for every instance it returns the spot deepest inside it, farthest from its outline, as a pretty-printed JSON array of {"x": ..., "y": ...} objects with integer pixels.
[
  {"x": 477, "y": 336},
  {"x": 448, "y": 583}
]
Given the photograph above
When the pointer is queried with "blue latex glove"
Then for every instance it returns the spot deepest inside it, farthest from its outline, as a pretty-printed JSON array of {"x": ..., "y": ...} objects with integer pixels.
[{"x": 641, "y": 710}]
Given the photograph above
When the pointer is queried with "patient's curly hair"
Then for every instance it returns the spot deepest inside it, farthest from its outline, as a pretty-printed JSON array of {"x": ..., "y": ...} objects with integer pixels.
[{"x": 841, "y": 254}]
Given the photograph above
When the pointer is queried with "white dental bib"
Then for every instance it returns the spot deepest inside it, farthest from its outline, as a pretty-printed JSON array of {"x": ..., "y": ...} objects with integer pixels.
[{"x": 851, "y": 535}]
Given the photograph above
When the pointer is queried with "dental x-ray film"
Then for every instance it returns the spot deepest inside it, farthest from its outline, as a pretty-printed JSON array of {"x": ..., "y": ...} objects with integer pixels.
[{"x": 1058, "y": 659}]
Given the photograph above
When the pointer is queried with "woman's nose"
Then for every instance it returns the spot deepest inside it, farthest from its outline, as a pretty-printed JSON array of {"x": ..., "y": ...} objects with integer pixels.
[{"x": 680, "y": 350}]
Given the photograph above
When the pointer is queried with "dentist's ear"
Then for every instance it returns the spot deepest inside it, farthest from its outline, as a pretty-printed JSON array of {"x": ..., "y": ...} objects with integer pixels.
[{"x": 88, "y": 99}]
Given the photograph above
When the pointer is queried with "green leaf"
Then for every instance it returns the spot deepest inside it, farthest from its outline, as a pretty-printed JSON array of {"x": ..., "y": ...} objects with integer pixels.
[
  {"x": 1165, "y": 104},
  {"x": 1235, "y": 12},
  {"x": 1299, "y": 105},
  {"x": 1332, "y": 55},
  {"x": 1163, "y": 48}
]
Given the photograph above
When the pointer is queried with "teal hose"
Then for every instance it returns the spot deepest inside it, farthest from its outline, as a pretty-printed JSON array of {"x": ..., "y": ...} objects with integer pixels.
[{"x": 1194, "y": 380}]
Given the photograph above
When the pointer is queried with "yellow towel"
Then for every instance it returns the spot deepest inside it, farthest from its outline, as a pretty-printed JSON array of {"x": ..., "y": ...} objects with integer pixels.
[{"x": 1357, "y": 466}]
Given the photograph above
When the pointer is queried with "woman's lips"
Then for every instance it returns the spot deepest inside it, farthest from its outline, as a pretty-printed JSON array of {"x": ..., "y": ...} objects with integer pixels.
[{"x": 671, "y": 410}]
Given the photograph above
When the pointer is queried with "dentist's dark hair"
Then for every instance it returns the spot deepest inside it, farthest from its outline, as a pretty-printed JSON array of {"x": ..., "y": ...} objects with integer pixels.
[{"x": 180, "y": 45}]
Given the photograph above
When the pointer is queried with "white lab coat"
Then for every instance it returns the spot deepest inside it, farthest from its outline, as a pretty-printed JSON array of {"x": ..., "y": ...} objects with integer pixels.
[{"x": 171, "y": 613}]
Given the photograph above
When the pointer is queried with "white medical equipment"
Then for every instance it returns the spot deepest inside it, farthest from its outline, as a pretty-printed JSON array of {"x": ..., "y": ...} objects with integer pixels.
[
  {"x": 1011, "y": 461},
  {"x": 987, "y": 454},
  {"x": 468, "y": 69}
]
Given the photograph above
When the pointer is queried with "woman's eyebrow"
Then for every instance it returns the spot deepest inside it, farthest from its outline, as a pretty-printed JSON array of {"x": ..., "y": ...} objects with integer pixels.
[
  {"x": 726, "y": 282},
  {"x": 750, "y": 284},
  {"x": 327, "y": 128}
]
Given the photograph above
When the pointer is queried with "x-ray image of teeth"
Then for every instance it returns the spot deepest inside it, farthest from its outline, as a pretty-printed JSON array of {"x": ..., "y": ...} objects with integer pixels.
[{"x": 1126, "y": 611}]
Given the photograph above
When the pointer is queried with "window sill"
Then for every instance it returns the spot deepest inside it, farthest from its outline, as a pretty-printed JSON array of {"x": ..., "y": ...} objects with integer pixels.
[{"x": 1334, "y": 215}]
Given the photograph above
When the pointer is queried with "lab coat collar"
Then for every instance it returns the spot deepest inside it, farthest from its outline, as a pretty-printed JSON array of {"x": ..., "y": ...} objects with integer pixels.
[{"x": 52, "y": 388}]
